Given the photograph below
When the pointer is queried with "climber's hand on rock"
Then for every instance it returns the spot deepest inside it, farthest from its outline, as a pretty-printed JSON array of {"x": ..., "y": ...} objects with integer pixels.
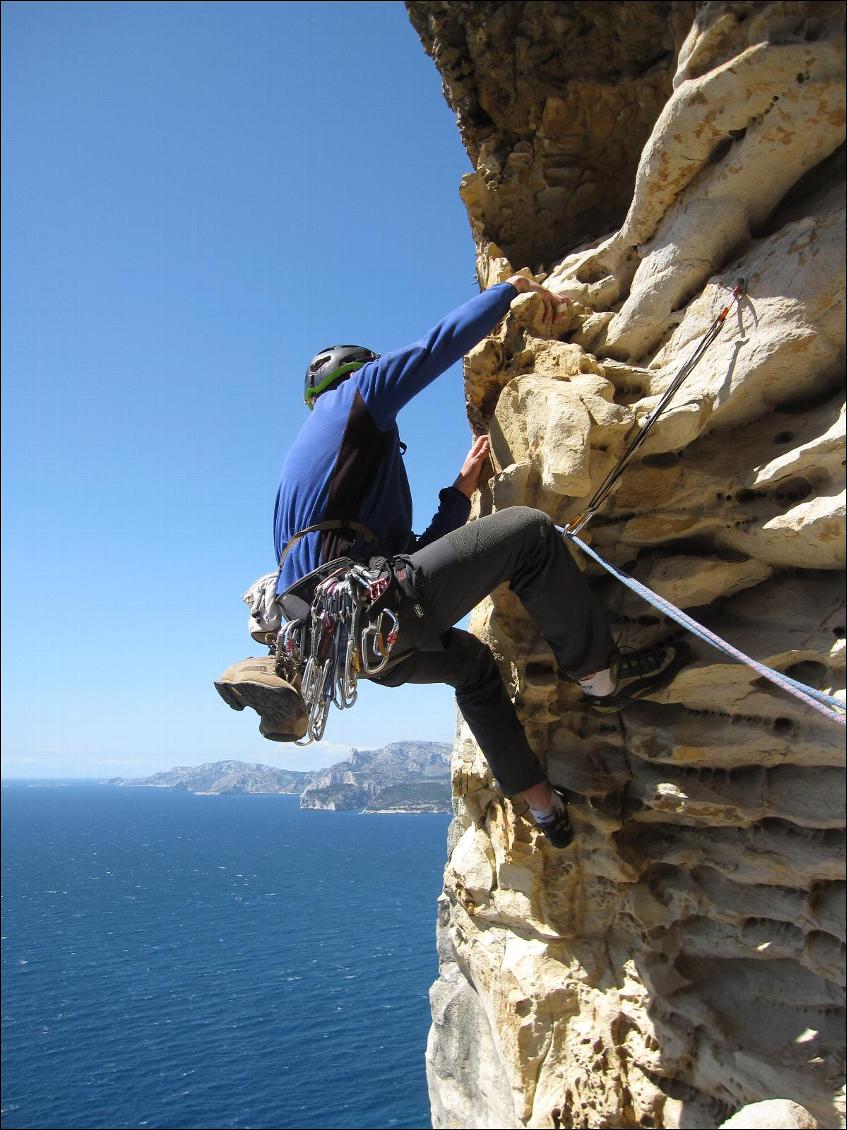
[
  {"x": 555, "y": 305},
  {"x": 468, "y": 478}
]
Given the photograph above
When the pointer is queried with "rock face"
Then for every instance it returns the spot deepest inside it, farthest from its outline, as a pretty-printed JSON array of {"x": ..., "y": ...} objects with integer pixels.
[
  {"x": 685, "y": 957},
  {"x": 554, "y": 102},
  {"x": 772, "y": 1114}
]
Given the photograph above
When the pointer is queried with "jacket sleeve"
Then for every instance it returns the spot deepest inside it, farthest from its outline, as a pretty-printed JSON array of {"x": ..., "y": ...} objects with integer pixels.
[
  {"x": 393, "y": 379},
  {"x": 453, "y": 511}
]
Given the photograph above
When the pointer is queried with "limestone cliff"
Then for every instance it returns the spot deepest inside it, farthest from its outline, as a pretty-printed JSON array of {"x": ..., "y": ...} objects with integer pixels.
[{"x": 686, "y": 956}]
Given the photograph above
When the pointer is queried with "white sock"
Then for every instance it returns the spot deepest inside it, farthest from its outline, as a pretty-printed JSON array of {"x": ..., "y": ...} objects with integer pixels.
[
  {"x": 542, "y": 814},
  {"x": 601, "y": 683}
]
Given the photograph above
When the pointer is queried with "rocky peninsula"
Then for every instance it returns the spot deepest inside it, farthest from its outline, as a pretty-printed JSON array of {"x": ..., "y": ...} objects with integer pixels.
[{"x": 400, "y": 777}]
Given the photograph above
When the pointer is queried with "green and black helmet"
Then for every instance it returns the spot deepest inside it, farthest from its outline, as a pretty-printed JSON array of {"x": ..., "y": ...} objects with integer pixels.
[{"x": 332, "y": 364}]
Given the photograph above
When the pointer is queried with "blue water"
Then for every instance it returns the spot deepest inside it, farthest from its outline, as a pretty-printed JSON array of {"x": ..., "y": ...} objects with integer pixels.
[{"x": 180, "y": 961}]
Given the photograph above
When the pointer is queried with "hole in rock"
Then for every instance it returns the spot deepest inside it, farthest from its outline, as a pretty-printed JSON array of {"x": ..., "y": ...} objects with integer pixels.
[
  {"x": 800, "y": 198},
  {"x": 838, "y": 631},
  {"x": 691, "y": 546},
  {"x": 782, "y": 726},
  {"x": 795, "y": 490},
  {"x": 589, "y": 274},
  {"x": 720, "y": 151},
  {"x": 809, "y": 672},
  {"x": 783, "y": 437},
  {"x": 661, "y": 459},
  {"x": 746, "y": 495},
  {"x": 629, "y": 806},
  {"x": 802, "y": 404}
]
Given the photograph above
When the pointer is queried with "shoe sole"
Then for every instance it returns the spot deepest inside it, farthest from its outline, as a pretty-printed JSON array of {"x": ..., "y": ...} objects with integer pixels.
[
  {"x": 284, "y": 735},
  {"x": 618, "y": 703},
  {"x": 263, "y": 699},
  {"x": 229, "y": 695}
]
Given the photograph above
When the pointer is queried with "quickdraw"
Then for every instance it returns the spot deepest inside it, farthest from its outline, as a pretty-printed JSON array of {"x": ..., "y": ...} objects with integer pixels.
[
  {"x": 329, "y": 649},
  {"x": 605, "y": 488}
]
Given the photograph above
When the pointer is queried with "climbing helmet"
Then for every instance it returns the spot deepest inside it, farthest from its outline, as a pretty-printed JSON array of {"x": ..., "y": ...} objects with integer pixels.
[{"x": 331, "y": 364}]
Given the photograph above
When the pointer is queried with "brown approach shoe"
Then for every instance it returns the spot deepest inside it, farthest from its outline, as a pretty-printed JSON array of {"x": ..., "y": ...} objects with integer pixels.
[
  {"x": 255, "y": 683},
  {"x": 284, "y": 732}
]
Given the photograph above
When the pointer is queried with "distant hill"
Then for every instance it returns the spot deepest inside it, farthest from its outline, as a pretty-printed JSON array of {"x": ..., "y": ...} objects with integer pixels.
[
  {"x": 401, "y": 777},
  {"x": 219, "y": 777}
]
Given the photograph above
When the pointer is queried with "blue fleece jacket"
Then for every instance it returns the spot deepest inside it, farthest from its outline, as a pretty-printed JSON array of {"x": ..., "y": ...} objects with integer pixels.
[{"x": 346, "y": 462}]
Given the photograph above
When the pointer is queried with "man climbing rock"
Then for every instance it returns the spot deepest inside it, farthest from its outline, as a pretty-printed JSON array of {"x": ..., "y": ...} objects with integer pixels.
[{"x": 346, "y": 466}]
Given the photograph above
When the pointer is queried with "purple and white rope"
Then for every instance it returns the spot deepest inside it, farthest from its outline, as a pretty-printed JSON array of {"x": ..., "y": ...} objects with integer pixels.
[{"x": 825, "y": 704}]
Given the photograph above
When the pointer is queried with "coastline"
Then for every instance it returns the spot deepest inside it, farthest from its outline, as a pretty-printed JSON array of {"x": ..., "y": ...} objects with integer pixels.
[{"x": 406, "y": 811}]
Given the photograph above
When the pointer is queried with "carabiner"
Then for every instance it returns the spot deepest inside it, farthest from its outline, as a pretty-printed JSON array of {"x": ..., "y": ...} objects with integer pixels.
[{"x": 382, "y": 646}]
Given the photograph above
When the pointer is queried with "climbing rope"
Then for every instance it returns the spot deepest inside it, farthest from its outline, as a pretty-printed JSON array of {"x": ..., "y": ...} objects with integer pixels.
[
  {"x": 825, "y": 704},
  {"x": 605, "y": 488}
]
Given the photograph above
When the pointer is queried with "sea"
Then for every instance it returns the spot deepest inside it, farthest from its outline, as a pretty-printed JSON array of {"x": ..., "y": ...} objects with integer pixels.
[{"x": 172, "y": 960}]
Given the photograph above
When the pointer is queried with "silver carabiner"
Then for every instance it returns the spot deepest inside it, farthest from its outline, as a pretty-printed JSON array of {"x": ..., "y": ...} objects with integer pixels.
[
  {"x": 309, "y": 681},
  {"x": 381, "y": 645},
  {"x": 347, "y": 675},
  {"x": 286, "y": 644},
  {"x": 317, "y": 719}
]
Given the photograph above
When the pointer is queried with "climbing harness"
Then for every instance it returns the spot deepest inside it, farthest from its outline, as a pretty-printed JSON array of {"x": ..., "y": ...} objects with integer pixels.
[
  {"x": 338, "y": 638},
  {"x": 335, "y": 627},
  {"x": 826, "y": 704},
  {"x": 688, "y": 367}
]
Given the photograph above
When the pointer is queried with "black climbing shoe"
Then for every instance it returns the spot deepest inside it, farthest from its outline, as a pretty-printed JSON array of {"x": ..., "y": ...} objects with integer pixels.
[
  {"x": 639, "y": 673},
  {"x": 557, "y": 827}
]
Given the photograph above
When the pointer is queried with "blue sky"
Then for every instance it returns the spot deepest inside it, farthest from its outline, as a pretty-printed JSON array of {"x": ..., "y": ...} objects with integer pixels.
[{"x": 196, "y": 198}]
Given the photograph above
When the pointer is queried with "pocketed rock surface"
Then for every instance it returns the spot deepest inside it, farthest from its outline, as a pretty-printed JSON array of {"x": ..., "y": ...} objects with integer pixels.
[{"x": 685, "y": 957}]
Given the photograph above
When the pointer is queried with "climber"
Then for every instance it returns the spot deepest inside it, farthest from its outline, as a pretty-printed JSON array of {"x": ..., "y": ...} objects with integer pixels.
[{"x": 346, "y": 464}]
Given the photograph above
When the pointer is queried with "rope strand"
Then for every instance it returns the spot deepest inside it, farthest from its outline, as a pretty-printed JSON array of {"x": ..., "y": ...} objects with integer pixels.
[
  {"x": 688, "y": 367},
  {"x": 825, "y": 704}
]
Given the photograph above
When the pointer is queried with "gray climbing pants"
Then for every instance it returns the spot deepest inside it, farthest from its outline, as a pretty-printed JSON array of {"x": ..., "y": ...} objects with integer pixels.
[{"x": 449, "y": 577}]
